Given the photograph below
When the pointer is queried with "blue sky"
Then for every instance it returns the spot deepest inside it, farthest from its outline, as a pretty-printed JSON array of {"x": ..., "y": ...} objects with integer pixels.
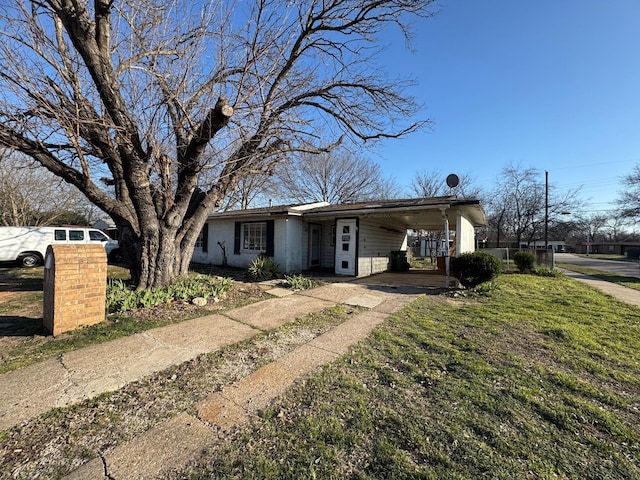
[{"x": 548, "y": 84}]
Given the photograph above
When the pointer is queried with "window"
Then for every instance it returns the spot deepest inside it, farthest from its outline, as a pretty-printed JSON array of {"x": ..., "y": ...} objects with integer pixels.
[
  {"x": 76, "y": 235},
  {"x": 60, "y": 235},
  {"x": 254, "y": 236},
  {"x": 199, "y": 241},
  {"x": 97, "y": 236}
]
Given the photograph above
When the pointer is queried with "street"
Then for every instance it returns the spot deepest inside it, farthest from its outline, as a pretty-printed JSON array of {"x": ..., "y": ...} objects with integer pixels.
[{"x": 630, "y": 269}]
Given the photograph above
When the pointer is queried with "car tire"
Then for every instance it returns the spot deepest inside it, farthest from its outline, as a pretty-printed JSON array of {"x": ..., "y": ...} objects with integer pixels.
[{"x": 29, "y": 260}]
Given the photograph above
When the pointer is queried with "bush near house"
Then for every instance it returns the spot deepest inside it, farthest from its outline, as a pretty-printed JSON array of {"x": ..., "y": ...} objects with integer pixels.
[
  {"x": 472, "y": 269},
  {"x": 263, "y": 268},
  {"x": 525, "y": 261}
]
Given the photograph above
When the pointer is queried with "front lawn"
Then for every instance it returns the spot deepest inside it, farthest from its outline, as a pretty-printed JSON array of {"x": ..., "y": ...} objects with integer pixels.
[{"x": 539, "y": 377}]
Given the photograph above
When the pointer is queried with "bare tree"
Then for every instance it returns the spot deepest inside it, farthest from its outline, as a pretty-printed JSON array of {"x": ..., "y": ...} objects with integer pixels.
[
  {"x": 434, "y": 184},
  {"x": 629, "y": 200},
  {"x": 336, "y": 177},
  {"x": 517, "y": 205},
  {"x": 251, "y": 191},
  {"x": 30, "y": 195},
  {"x": 124, "y": 99}
]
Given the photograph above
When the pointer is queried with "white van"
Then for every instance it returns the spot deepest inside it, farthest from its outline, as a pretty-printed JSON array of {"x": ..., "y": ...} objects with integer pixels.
[{"x": 28, "y": 245}]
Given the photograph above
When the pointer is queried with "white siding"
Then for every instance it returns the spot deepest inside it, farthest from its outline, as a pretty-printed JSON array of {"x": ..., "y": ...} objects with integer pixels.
[
  {"x": 219, "y": 231},
  {"x": 465, "y": 235},
  {"x": 286, "y": 244},
  {"x": 289, "y": 245},
  {"x": 376, "y": 240}
]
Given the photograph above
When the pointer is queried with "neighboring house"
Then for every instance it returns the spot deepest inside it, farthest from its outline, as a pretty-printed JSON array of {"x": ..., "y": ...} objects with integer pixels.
[
  {"x": 555, "y": 245},
  {"x": 618, "y": 248},
  {"x": 351, "y": 239}
]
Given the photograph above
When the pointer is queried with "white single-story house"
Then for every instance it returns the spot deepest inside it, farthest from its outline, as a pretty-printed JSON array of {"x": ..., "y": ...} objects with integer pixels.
[{"x": 350, "y": 239}]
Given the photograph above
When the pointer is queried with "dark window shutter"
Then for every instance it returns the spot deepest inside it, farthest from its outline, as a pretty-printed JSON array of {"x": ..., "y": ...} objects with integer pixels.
[
  {"x": 270, "y": 238},
  {"x": 205, "y": 237},
  {"x": 236, "y": 238}
]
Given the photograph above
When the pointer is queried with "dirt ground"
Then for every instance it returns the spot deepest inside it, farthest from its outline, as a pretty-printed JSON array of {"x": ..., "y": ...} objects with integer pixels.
[{"x": 21, "y": 303}]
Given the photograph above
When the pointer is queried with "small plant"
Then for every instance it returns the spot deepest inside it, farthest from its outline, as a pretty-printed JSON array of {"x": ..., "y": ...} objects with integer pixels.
[
  {"x": 263, "y": 268},
  {"x": 300, "y": 282},
  {"x": 525, "y": 261},
  {"x": 548, "y": 272},
  {"x": 472, "y": 269},
  {"x": 121, "y": 296}
]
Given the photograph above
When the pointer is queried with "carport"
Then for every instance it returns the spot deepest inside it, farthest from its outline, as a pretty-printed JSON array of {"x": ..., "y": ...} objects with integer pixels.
[{"x": 383, "y": 224}]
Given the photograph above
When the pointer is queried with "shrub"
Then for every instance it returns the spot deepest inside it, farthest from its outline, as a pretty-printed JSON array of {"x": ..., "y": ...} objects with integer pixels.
[
  {"x": 525, "y": 261},
  {"x": 263, "y": 268},
  {"x": 472, "y": 269}
]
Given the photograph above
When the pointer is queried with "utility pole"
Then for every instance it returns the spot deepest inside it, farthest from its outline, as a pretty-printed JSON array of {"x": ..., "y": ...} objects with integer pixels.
[{"x": 546, "y": 218}]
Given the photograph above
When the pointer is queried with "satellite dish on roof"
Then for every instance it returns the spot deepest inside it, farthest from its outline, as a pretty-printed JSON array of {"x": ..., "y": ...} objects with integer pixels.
[{"x": 453, "y": 181}]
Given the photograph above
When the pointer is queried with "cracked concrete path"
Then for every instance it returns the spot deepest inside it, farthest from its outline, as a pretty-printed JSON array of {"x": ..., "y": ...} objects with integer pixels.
[
  {"x": 87, "y": 372},
  {"x": 82, "y": 374},
  {"x": 180, "y": 440}
]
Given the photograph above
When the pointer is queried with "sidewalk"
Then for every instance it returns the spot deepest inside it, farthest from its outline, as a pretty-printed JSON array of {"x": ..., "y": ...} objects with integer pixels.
[
  {"x": 83, "y": 374},
  {"x": 625, "y": 294}
]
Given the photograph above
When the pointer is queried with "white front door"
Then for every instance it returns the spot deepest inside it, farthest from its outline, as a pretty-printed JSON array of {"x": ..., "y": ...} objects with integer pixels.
[{"x": 346, "y": 238}]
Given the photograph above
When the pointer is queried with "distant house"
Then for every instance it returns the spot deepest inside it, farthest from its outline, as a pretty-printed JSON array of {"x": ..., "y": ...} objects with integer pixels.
[
  {"x": 350, "y": 239},
  {"x": 618, "y": 248},
  {"x": 555, "y": 245}
]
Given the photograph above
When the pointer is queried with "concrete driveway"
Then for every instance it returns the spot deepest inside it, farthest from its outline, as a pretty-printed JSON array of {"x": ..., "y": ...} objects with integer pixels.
[{"x": 630, "y": 269}]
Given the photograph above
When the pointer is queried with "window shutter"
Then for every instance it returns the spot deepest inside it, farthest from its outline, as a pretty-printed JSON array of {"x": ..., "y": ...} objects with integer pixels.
[
  {"x": 270, "y": 238},
  {"x": 236, "y": 238},
  {"x": 205, "y": 237}
]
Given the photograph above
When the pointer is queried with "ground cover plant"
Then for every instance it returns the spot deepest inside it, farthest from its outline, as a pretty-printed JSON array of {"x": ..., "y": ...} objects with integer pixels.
[
  {"x": 538, "y": 377},
  {"x": 122, "y": 296},
  {"x": 300, "y": 282},
  {"x": 630, "y": 282},
  {"x": 24, "y": 340}
]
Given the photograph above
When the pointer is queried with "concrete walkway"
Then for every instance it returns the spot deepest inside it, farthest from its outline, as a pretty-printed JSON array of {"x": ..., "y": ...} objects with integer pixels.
[{"x": 85, "y": 373}]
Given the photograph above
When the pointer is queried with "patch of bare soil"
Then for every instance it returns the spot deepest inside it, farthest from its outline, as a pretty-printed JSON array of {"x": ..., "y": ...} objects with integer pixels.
[
  {"x": 61, "y": 441},
  {"x": 20, "y": 310}
]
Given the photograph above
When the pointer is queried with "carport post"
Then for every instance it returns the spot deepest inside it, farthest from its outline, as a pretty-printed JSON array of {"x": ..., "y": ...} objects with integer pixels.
[{"x": 446, "y": 251}]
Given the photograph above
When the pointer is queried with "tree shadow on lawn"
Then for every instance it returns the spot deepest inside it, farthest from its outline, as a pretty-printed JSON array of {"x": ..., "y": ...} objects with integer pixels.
[
  {"x": 13, "y": 280},
  {"x": 17, "y": 326}
]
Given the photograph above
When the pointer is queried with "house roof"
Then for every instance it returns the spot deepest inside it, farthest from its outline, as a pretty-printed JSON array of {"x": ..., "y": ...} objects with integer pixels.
[{"x": 417, "y": 213}]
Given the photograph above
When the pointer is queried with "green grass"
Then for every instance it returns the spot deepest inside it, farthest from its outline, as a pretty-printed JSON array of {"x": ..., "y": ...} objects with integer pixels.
[
  {"x": 538, "y": 377},
  {"x": 630, "y": 282}
]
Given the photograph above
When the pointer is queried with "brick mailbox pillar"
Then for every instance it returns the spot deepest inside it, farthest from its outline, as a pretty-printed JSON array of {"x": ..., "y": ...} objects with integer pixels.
[{"x": 75, "y": 286}]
